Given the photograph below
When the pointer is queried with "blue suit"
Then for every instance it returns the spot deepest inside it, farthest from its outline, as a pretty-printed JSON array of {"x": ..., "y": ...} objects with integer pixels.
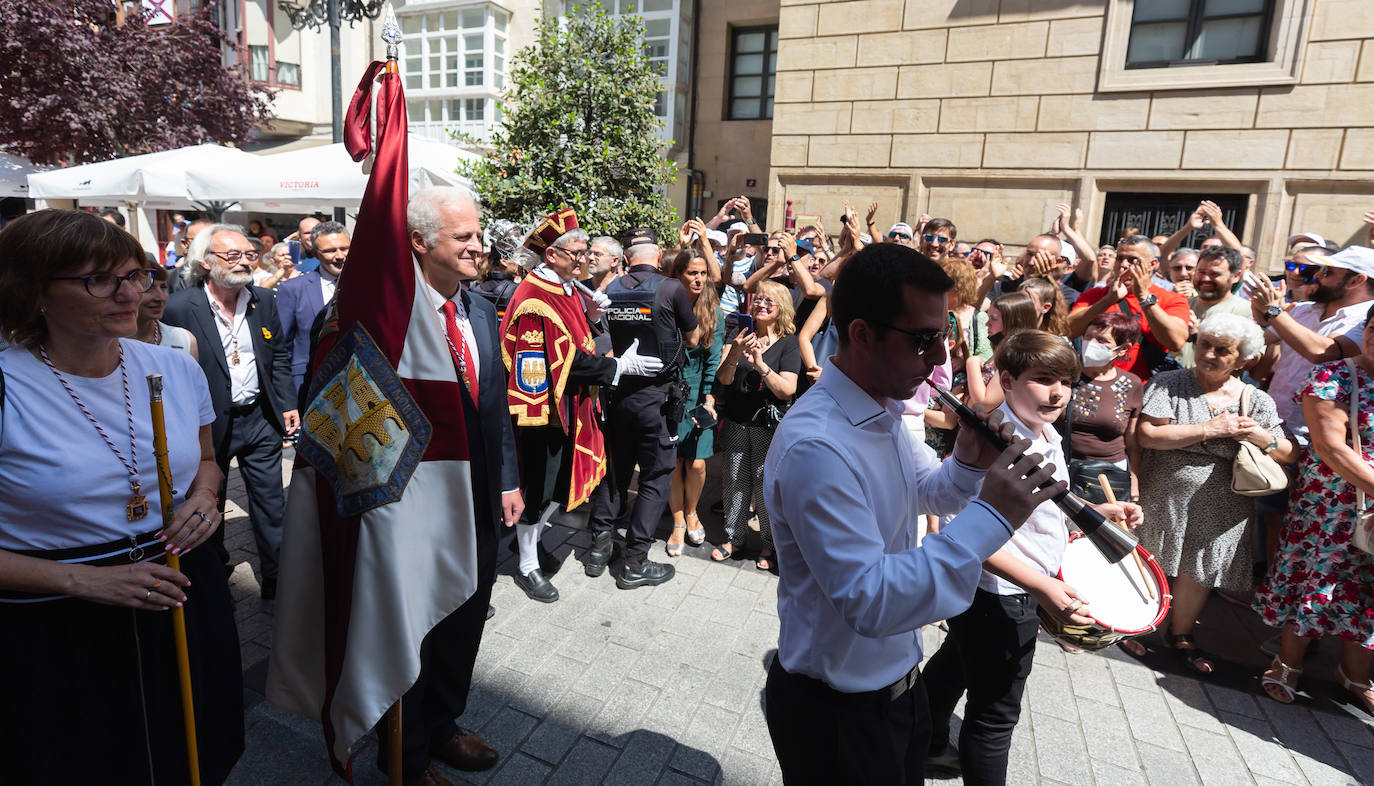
[{"x": 299, "y": 301}]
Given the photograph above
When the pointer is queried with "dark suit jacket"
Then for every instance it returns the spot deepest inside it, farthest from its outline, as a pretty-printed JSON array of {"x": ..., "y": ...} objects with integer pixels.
[
  {"x": 492, "y": 445},
  {"x": 299, "y": 301},
  {"x": 190, "y": 309}
]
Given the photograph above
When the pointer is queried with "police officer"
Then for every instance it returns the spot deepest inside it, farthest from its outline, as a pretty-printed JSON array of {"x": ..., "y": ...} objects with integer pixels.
[{"x": 654, "y": 310}]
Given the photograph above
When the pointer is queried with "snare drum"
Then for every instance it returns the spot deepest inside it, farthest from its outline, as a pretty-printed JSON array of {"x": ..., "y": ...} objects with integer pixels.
[{"x": 1118, "y": 596}]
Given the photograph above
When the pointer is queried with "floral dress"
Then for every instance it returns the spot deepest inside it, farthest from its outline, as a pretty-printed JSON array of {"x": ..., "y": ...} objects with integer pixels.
[{"x": 1319, "y": 581}]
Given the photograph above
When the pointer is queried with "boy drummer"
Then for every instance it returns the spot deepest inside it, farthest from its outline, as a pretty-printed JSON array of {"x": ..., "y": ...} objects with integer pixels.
[{"x": 990, "y": 646}]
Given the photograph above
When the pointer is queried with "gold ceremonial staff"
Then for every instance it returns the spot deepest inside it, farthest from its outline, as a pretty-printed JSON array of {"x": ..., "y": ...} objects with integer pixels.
[{"x": 165, "y": 490}]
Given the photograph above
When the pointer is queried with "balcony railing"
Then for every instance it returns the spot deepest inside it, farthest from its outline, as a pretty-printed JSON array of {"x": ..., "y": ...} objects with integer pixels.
[{"x": 443, "y": 131}]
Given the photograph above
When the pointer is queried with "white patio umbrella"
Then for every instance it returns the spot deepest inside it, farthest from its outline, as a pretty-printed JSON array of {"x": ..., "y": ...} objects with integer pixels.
[
  {"x": 152, "y": 179},
  {"x": 14, "y": 174},
  {"x": 319, "y": 176}
]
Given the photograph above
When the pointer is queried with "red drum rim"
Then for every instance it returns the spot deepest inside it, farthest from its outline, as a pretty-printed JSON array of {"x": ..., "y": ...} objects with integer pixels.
[{"x": 1157, "y": 572}]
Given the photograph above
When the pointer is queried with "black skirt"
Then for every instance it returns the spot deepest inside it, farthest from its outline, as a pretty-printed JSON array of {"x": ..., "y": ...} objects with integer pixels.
[{"x": 92, "y": 694}]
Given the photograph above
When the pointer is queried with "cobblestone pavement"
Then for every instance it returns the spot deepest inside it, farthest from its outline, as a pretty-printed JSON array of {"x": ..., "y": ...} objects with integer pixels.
[{"x": 664, "y": 686}]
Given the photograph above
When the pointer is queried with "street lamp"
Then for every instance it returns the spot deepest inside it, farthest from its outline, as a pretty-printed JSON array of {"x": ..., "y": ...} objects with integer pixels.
[{"x": 314, "y": 14}]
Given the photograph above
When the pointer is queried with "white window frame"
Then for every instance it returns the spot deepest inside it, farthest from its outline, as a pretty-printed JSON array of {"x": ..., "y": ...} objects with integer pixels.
[
  {"x": 452, "y": 98},
  {"x": 1282, "y": 67}
]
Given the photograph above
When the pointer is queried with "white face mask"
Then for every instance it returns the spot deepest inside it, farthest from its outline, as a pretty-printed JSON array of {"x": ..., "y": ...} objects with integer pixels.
[{"x": 1095, "y": 355}]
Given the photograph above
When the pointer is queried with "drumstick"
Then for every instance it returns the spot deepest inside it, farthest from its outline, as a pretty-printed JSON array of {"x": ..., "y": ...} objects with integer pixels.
[{"x": 1111, "y": 497}]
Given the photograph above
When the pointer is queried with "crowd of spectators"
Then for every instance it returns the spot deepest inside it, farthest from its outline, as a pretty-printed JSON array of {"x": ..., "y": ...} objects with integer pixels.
[
  {"x": 1186, "y": 353},
  {"x": 1191, "y": 360}
]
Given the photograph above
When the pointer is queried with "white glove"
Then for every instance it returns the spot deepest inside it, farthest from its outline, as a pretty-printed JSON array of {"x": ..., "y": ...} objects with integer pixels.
[
  {"x": 635, "y": 364},
  {"x": 594, "y": 304}
]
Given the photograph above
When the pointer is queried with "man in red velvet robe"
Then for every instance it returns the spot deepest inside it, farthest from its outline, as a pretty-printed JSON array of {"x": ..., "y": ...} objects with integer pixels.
[{"x": 547, "y": 345}]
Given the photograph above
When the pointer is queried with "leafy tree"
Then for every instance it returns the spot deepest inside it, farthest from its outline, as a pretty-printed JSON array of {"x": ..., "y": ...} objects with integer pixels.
[
  {"x": 80, "y": 83},
  {"x": 580, "y": 130}
]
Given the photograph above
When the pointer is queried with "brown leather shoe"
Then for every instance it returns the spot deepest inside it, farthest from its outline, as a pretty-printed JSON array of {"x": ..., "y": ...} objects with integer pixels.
[
  {"x": 467, "y": 752},
  {"x": 430, "y": 777}
]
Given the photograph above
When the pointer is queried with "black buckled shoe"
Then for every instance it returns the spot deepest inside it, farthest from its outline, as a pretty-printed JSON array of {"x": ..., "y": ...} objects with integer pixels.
[
  {"x": 638, "y": 571},
  {"x": 599, "y": 555},
  {"x": 537, "y": 587}
]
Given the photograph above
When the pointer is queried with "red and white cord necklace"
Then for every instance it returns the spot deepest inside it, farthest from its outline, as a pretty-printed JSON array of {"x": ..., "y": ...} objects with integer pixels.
[{"x": 138, "y": 504}]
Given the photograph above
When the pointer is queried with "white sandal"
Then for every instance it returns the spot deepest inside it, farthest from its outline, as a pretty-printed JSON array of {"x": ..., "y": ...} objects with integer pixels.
[
  {"x": 1363, "y": 692},
  {"x": 1289, "y": 691}
]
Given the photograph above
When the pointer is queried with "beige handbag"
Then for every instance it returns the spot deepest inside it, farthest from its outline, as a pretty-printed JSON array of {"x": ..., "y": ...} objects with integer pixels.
[
  {"x": 1254, "y": 474},
  {"x": 1363, "y": 537}
]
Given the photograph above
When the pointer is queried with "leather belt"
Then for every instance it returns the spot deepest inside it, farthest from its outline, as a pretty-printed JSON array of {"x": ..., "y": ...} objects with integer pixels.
[
  {"x": 899, "y": 688},
  {"x": 244, "y": 409}
]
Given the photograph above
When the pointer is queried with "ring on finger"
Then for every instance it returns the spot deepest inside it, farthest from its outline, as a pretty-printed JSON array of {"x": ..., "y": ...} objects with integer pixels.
[
  {"x": 203, "y": 517},
  {"x": 148, "y": 594}
]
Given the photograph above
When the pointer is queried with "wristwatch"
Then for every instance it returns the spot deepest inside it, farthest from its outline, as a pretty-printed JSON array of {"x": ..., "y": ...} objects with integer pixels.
[
  {"x": 1270, "y": 313},
  {"x": 1272, "y": 446},
  {"x": 1149, "y": 300},
  {"x": 795, "y": 257}
]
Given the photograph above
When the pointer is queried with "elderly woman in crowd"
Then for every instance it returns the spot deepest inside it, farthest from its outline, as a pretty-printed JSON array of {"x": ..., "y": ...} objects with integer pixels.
[
  {"x": 1320, "y": 583},
  {"x": 756, "y": 380},
  {"x": 89, "y": 649},
  {"x": 151, "y": 328},
  {"x": 1191, "y": 429},
  {"x": 696, "y": 437}
]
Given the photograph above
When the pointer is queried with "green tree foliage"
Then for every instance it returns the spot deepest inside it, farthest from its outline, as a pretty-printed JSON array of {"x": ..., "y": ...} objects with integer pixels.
[{"x": 580, "y": 130}]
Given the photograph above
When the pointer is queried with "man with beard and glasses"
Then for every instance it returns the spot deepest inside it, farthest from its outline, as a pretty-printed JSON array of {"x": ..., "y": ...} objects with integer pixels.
[
  {"x": 1328, "y": 327},
  {"x": 1217, "y": 268},
  {"x": 249, "y": 378}
]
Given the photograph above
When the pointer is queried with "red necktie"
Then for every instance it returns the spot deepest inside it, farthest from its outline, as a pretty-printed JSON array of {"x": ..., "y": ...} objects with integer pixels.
[{"x": 459, "y": 347}]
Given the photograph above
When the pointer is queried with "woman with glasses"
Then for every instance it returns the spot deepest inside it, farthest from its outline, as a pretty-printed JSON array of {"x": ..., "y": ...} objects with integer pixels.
[
  {"x": 755, "y": 383},
  {"x": 84, "y": 588},
  {"x": 151, "y": 328}
]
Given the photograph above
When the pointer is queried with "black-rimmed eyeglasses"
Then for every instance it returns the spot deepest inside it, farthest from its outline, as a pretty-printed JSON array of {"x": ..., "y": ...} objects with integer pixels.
[
  {"x": 107, "y": 284},
  {"x": 234, "y": 257}
]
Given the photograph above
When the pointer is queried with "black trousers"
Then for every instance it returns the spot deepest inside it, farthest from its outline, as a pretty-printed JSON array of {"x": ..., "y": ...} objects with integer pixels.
[
  {"x": 636, "y": 433},
  {"x": 447, "y": 655},
  {"x": 255, "y": 442},
  {"x": 92, "y": 696},
  {"x": 988, "y": 653},
  {"x": 825, "y": 736}
]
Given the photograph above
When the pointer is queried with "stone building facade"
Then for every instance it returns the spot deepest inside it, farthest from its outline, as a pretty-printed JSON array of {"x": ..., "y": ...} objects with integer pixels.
[{"x": 992, "y": 111}]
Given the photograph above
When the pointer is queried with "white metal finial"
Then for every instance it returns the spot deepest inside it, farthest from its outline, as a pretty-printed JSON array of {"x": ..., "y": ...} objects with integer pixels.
[{"x": 391, "y": 33}]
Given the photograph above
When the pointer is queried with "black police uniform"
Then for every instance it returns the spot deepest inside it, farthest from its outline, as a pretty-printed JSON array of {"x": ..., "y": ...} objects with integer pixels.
[{"x": 655, "y": 310}]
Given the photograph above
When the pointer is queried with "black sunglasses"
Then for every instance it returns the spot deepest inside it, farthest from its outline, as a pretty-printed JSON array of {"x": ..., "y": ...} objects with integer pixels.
[{"x": 922, "y": 340}]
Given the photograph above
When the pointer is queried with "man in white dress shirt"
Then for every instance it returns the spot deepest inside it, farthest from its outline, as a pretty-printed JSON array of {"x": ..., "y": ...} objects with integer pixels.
[{"x": 844, "y": 698}]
